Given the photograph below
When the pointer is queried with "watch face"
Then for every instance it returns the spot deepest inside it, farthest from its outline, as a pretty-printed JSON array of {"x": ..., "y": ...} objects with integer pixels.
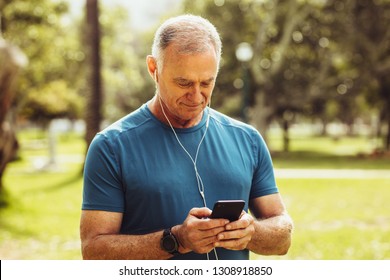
[{"x": 169, "y": 244}]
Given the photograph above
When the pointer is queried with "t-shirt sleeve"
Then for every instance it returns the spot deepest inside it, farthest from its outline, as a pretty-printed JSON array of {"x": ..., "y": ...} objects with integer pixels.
[
  {"x": 102, "y": 185},
  {"x": 263, "y": 182}
]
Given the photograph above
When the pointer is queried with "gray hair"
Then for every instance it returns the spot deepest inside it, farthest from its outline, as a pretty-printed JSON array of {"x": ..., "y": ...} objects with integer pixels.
[{"x": 192, "y": 34}]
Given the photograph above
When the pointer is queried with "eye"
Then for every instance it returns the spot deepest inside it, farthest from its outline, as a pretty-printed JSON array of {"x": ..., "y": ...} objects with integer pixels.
[
  {"x": 184, "y": 84},
  {"x": 205, "y": 84}
]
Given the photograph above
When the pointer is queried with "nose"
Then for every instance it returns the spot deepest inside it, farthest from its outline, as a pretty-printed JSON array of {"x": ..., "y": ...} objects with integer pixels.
[{"x": 195, "y": 94}]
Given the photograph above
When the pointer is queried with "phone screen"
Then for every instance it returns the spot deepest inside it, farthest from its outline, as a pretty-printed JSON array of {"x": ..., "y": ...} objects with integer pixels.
[{"x": 228, "y": 209}]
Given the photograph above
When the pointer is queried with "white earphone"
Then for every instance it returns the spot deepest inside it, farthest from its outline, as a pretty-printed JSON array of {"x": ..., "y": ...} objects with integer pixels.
[{"x": 194, "y": 160}]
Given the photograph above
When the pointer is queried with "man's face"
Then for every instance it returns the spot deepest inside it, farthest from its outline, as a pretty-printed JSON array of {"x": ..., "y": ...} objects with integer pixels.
[{"x": 186, "y": 83}]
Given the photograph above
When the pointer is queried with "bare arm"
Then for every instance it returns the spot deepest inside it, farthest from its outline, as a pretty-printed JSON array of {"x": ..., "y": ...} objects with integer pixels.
[
  {"x": 268, "y": 234},
  {"x": 273, "y": 227},
  {"x": 100, "y": 237}
]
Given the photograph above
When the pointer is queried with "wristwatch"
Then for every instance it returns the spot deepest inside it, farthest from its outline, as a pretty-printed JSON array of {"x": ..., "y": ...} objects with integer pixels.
[{"x": 169, "y": 242}]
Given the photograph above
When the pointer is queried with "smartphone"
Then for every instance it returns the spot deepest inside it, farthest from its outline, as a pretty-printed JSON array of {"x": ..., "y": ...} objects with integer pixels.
[{"x": 228, "y": 209}]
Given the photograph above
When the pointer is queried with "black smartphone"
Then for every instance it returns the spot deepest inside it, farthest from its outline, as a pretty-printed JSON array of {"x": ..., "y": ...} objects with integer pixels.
[{"x": 228, "y": 209}]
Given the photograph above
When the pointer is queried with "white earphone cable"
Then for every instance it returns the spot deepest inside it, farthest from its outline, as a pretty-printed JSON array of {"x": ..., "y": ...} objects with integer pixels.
[{"x": 194, "y": 160}]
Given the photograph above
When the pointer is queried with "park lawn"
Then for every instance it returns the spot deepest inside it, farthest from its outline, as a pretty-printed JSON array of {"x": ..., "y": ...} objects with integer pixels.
[
  {"x": 303, "y": 159},
  {"x": 41, "y": 220},
  {"x": 334, "y": 219},
  {"x": 313, "y": 152},
  {"x": 338, "y": 218}
]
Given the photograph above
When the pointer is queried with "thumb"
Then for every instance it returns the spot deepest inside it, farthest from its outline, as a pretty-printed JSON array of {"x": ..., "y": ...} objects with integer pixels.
[{"x": 203, "y": 212}]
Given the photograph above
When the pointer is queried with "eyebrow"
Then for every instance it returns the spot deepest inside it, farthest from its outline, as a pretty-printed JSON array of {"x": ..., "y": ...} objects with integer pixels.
[{"x": 183, "y": 80}]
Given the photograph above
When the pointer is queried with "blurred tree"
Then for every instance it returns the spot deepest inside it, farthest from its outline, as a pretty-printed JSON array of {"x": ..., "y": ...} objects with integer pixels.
[
  {"x": 308, "y": 56},
  {"x": 230, "y": 19},
  {"x": 11, "y": 60},
  {"x": 39, "y": 28},
  {"x": 53, "y": 39},
  {"x": 368, "y": 43},
  {"x": 126, "y": 81},
  {"x": 43, "y": 104},
  {"x": 358, "y": 51},
  {"x": 123, "y": 69},
  {"x": 268, "y": 26}
]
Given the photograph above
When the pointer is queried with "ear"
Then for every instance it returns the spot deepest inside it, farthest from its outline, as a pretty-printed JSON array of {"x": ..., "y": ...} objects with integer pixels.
[{"x": 152, "y": 67}]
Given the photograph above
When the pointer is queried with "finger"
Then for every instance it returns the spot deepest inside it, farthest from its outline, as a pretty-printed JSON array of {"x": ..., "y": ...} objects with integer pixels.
[
  {"x": 200, "y": 213},
  {"x": 233, "y": 244},
  {"x": 207, "y": 224},
  {"x": 203, "y": 215},
  {"x": 245, "y": 221},
  {"x": 212, "y": 232},
  {"x": 233, "y": 234},
  {"x": 195, "y": 235},
  {"x": 204, "y": 249},
  {"x": 207, "y": 241},
  {"x": 238, "y": 243},
  {"x": 204, "y": 245},
  {"x": 237, "y": 234}
]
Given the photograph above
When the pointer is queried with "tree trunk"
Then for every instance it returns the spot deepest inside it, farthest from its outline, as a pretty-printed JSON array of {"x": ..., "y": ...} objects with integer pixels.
[
  {"x": 93, "y": 114},
  {"x": 260, "y": 114},
  {"x": 387, "y": 142},
  {"x": 385, "y": 95},
  {"x": 8, "y": 148},
  {"x": 11, "y": 60},
  {"x": 286, "y": 138}
]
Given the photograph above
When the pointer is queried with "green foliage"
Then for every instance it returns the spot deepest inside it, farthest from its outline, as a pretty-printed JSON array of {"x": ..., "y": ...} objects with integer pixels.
[
  {"x": 306, "y": 54},
  {"x": 230, "y": 20},
  {"x": 38, "y": 28},
  {"x": 53, "y": 100},
  {"x": 127, "y": 84},
  {"x": 53, "y": 41}
]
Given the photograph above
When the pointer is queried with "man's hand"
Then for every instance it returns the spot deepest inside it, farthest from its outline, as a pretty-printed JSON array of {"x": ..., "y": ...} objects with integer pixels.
[
  {"x": 198, "y": 233},
  {"x": 237, "y": 234}
]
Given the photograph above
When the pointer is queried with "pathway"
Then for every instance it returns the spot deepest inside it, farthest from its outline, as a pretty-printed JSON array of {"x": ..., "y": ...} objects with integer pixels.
[{"x": 332, "y": 173}]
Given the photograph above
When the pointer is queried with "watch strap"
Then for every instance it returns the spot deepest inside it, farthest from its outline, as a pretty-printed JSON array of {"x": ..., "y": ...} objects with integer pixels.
[{"x": 167, "y": 234}]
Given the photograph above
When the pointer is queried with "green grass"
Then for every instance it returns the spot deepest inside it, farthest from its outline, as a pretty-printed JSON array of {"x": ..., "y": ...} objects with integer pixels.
[
  {"x": 324, "y": 160},
  {"x": 338, "y": 218},
  {"x": 334, "y": 218},
  {"x": 41, "y": 221},
  {"x": 42, "y": 217},
  {"x": 324, "y": 152}
]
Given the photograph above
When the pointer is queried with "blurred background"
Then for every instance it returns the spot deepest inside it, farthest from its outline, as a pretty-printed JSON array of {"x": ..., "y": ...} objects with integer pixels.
[{"x": 311, "y": 75}]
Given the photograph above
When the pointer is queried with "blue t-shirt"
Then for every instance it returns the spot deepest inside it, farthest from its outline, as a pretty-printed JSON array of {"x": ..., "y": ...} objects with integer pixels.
[{"x": 137, "y": 167}]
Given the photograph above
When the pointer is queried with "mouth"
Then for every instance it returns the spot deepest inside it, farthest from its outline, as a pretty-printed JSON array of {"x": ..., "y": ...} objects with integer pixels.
[
  {"x": 193, "y": 105},
  {"x": 192, "y": 108}
]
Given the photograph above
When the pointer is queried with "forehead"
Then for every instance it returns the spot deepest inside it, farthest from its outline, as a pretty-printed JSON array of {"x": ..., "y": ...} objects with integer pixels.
[{"x": 186, "y": 65}]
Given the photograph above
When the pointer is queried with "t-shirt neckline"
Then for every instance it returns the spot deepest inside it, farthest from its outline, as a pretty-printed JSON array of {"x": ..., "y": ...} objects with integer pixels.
[{"x": 206, "y": 112}]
